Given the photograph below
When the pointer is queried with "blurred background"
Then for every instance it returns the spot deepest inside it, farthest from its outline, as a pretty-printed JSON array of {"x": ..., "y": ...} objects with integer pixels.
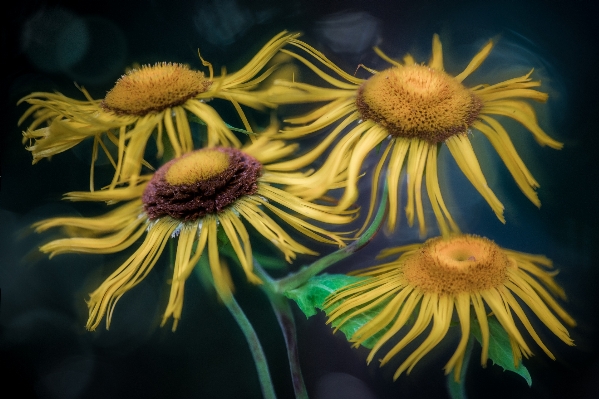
[{"x": 45, "y": 351}]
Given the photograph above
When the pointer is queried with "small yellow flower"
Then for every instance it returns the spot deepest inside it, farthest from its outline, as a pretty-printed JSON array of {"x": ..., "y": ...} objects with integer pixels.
[
  {"x": 429, "y": 280},
  {"x": 415, "y": 109},
  {"x": 156, "y": 98},
  {"x": 192, "y": 199}
]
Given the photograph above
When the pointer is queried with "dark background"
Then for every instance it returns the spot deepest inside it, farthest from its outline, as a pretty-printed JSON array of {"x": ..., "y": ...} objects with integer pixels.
[{"x": 45, "y": 351}]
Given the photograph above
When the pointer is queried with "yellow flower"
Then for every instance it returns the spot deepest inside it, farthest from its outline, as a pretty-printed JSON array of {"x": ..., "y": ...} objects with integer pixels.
[
  {"x": 144, "y": 100},
  {"x": 414, "y": 108},
  {"x": 428, "y": 280},
  {"x": 196, "y": 199}
]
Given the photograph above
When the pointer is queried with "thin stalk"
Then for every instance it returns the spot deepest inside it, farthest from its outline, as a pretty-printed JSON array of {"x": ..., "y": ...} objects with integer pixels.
[
  {"x": 251, "y": 337},
  {"x": 284, "y": 314},
  {"x": 255, "y": 347},
  {"x": 232, "y": 128},
  {"x": 457, "y": 390},
  {"x": 305, "y": 273}
]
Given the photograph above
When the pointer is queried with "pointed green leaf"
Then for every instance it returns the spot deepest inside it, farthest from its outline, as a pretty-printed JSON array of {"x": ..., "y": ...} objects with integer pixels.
[
  {"x": 311, "y": 296},
  {"x": 500, "y": 350}
]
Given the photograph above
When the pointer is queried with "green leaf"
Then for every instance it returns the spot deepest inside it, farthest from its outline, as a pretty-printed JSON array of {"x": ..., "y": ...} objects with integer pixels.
[
  {"x": 500, "y": 350},
  {"x": 311, "y": 296}
]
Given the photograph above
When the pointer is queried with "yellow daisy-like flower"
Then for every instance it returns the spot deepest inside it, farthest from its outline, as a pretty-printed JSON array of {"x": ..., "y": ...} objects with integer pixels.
[
  {"x": 193, "y": 199},
  {"x": 414, "y": 108},
  {"x": 429, "y": 280},
  {"x": 149, "y": 99}
]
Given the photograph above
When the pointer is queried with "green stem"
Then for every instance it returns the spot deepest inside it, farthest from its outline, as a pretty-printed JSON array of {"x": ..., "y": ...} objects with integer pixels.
[
  {"x": 305, "y": 273},
  {"x": 457, "y": 389},
  {"x": 251, "y": 337},
  {"x": 284, "y": 314},
  {"x": 232, "y": 128}
]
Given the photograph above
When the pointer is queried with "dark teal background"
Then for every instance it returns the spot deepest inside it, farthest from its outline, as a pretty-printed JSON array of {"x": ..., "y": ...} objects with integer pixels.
[{"x": 45, "y": 352}]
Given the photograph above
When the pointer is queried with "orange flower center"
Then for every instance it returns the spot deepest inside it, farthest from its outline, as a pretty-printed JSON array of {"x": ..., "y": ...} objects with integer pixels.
[
  {"x": 197, "y": 167},
  {"x": 154, "y": 89},
  {"x": 463, "y": 263},
  {"x": 416, "y": 101}
]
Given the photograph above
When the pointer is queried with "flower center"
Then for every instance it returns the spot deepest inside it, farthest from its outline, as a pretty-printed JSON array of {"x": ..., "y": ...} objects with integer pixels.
[
  {"x": 463, "y": 263},
  {"x": 416, "y": 101},
  {"x": 201, "y": 182},
  {"x": 196, "y": 167},
  {"x": 154, "y": 89}
]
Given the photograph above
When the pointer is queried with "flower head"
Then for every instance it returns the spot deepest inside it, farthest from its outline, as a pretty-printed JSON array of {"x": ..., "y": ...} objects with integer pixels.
[
  {"x": 196, "y": 200},
  {"x": 418, "y": 102},
  {"x": 411, "y": 109},
  {"x": 153, "y": 98},
  {"x": 154, "y": 89},
  {"x": 429, "y": 280}
]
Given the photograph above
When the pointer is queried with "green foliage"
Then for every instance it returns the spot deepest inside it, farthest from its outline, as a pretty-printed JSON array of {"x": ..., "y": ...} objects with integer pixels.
[
  {"x": 500, "y": 350},
  {"x": 311, "y": 296}
]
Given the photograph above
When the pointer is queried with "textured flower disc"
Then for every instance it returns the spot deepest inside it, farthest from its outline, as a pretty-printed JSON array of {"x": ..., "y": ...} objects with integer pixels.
[
  {"x": 455, "y": 265},
  {"x": 418, "y": 102},
  {"x": 202, "y": 182},
  {"x": 154, "y": 89}
]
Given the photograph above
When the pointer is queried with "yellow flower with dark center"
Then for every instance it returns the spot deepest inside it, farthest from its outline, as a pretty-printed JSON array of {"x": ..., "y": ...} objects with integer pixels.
[
  {"x": 194, "y": 199},
  {"x": 157, "y": 98},
  {"x": 415, "y": 109},
  {"x": 427, "y": 281}
]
